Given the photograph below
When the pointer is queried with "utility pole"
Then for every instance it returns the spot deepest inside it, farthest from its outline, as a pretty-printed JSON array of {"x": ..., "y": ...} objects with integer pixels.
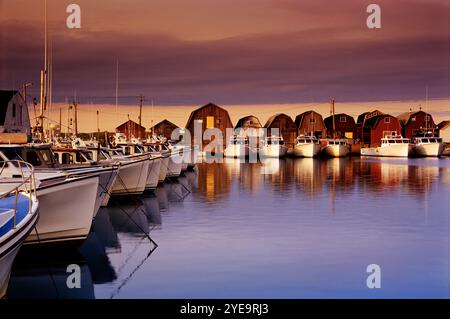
[
  {"x": 98, "y": 128},
  {"x": 24, "y": 91},
  {"x": 60, "y": 120},
  {"x": 141, "y": 100},
  {"x": 332, "y": 114}
]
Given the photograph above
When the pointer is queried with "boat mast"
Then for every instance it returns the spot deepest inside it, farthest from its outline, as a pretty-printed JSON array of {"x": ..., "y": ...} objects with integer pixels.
[
  {"x": 43, "y": 95},
  {"x": 117, "y": 88},
  {"x": 332, "y": 114}
]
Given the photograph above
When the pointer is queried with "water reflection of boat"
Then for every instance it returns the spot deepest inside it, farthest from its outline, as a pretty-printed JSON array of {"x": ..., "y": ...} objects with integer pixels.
[
  {"x": 104, "y": 230},
  {"x": 308, "y": 174},
  {"x": 129, "y": 218},
  {"x": 152, "y": 210},
  {"x": 97, "y": 260},
  {"x": 44, "y": 276}
]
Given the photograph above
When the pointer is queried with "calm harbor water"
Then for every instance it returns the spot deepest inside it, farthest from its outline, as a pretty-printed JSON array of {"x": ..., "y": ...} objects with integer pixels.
[{"x": 289, "y": 228}]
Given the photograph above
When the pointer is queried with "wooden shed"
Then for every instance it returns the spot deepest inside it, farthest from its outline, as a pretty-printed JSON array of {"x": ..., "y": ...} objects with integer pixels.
[
  {"x": 379, "y": 126},
  {"x": 363, "y": 132},
  {"x": 286, "y": 125},
  {"x": 417, "y": 124},
  {"x": 310, "y": 122},
  {"x": 163, "y": 128},
  {"x": 210, "y": 116},
  {"x": 444, "y": 131},
  {"x": 344, "y": 126},
  {"x": 248, "y": 122},
  {"x": 131, "y": 129}
]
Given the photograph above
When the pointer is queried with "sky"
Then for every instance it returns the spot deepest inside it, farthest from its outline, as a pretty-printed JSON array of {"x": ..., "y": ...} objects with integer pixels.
[{"x": 252, "y": 52}]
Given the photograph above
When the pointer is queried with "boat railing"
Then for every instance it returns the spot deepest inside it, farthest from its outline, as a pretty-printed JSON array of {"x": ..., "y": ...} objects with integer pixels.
[{"x": 27, "y": 184}]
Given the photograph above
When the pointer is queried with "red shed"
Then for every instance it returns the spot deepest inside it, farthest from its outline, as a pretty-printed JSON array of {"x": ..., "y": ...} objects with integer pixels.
[
  {"x": 344, "y": 126},
  {"x": 417, "y": 123},
  {"x": 362, "y": 131},
  {"x": 131, "y": 129},
  {"x": 379, "y": 126}
]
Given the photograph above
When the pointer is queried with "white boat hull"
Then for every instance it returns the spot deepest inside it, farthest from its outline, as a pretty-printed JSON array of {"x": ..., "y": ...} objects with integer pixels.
[
  {"x": 6, "y": 263},
  {"x": 273, "y": 151},
  {"x": 175, "y": 165},
  {"x": 107, "y": 179},
  {"x": 306, "y": 150},
  {"x": 132, "y": 178},
  {"x": 163, "y": 169},
  {"x": 10, "y": 245},
  {"x": 400, "y": 150},
  {"x": 66, "y": 210},
  {"x": 336, "y": 150},
  {"x": 236, "y": 151},
  {"x": 154, "y": 170},
  {"x": 431, "y": 149}
]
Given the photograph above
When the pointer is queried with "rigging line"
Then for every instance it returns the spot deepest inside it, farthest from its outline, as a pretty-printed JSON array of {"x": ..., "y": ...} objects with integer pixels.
[{"x": 114, "y": 293}]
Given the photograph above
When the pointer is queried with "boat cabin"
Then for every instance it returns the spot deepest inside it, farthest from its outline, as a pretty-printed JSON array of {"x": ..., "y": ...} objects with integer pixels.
[
  {"x": 307, "y": 140},
  {"x": 394, "y": 140},
  {"x": 74, "y": 156},
  {"x": 38, "y": 155},
  {"x": 427, "y": 140}
]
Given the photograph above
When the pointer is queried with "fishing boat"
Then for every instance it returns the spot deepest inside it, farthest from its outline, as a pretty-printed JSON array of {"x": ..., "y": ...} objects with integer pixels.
[
  {"x": 18, "y": 215},
  {"x": 175, "y": 156},
  {"x": 273, "y": 146},
  {"x": 335, "y": 147},
  {"x": 392, "y": 146},
  {"x": 237, "y": 147},
  {"x": 71, "y": 162},
  {"x": 134, "y": 149},
  {"x": 307, "y": 146},
  {"x": 427, "y": 147}
]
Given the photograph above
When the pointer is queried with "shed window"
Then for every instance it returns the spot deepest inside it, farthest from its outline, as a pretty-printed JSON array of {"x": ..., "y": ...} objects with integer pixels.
[
  {"x": 413, "y": 119},
  {"x": 312, "y": 120},
  {"x": 343, "y": 119},
  {"x": 387, "y": 120},
  {"x": 210, "y": 122}
]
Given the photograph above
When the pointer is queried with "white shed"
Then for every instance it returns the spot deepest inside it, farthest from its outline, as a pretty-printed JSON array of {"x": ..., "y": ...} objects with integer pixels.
[{"x": 14, "y": 117}]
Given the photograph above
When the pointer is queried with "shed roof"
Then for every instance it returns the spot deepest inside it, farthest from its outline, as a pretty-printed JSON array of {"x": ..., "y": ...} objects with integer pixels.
[
  {"x": 274, "y": 117},
  {"x": 202, "y": 107},
  {"x": 256, "y": 121}
]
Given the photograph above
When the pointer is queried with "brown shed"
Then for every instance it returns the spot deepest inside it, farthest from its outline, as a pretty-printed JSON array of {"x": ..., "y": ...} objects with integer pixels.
[
  {"x": 164, "y": 128},
  {"x": 417, "y": 124},
  {"x": 286, "y": 125},
  {"x": 131, "y": 129},
  {"x": 363, "y": 131},
  {"x": 344, "y": 126},
  {"x": 311, "y": 122},
  {"x": 211, "y": 116}
]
